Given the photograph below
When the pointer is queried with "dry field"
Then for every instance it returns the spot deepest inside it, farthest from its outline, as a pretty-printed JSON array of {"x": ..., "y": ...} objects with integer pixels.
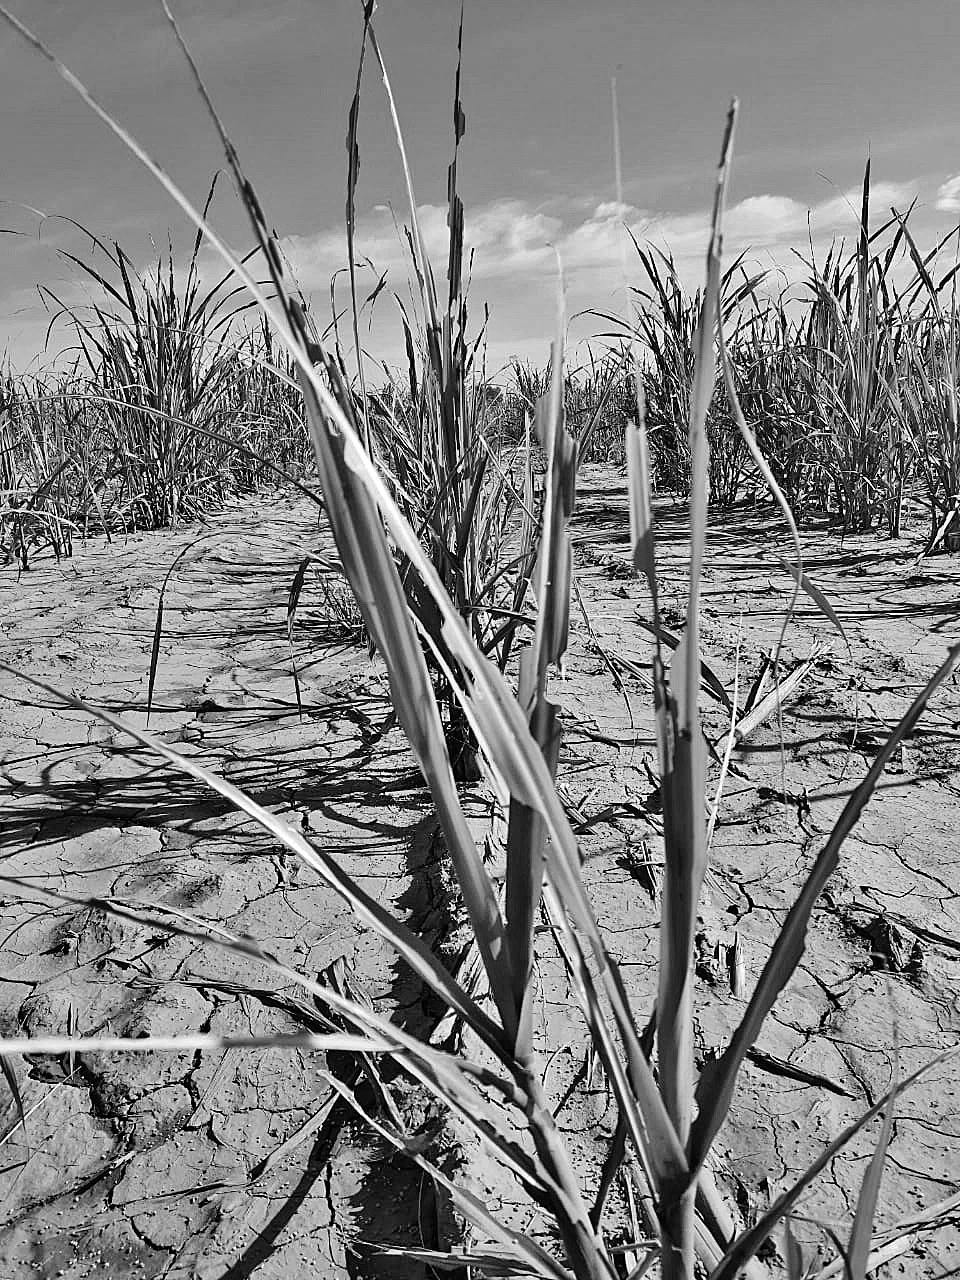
[
  {"x": 501, "y": 850},
  {"x": 243, "y": 1161}
]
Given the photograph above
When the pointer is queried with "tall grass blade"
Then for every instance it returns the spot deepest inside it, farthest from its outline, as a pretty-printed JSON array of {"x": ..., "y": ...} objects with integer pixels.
[
  {"x": 293, "y": 600},
  {"x": 526, "y": 835},
  {"x": 861, "y": 1235},
  {"x": 683, "y": 778},
  {"x": 763, "y": 467},
  {"x": 353, "y": 170},
  {"x": 158, "y": 624},
  {"x": 424, "y": 272}
]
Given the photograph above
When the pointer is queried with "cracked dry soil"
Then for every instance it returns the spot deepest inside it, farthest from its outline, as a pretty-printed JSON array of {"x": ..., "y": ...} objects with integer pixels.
[{"x": 242, "y": 1164}]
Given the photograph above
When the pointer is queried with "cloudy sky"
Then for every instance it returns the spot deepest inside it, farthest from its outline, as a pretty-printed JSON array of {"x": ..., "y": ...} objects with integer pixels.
[{"x": 822, "y": 84}]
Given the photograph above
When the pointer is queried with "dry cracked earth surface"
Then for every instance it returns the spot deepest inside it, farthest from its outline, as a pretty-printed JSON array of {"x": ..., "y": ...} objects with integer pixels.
[{"x": 243, "y": 1163}]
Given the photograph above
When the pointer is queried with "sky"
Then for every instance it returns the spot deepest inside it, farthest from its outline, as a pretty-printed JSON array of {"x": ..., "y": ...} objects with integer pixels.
[{"x": 822, "y": 84}]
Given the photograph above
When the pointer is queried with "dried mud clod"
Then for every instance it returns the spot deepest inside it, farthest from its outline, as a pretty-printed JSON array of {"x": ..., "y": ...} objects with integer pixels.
[
  {"x": 141, "y": 1100},
  {"x": 638, "y": 859},
  {"x": 721, "y": 962},
  {"x": 893, "y": 948}
]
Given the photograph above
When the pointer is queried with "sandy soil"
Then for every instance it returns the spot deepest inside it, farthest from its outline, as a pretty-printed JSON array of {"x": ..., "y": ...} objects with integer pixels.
[{"x": 167, "y": 1166}]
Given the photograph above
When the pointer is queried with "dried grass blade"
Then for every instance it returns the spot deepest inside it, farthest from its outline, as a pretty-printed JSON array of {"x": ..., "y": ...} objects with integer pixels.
[
  {"x": 773, "y": 701},
  {"x": 763, "y": 467},
  {"x": 641, "y": 511},
  {"x": 158, "y": 624},
  {"x": 708, "y": 677},
  {"x": 492, "y": 1262},
  {"x": 55, "y": 1046},
  {"x": 293, "y": 599},
  {"x": 818, "y": 598},
  {"x": 10, "y": 1075}
]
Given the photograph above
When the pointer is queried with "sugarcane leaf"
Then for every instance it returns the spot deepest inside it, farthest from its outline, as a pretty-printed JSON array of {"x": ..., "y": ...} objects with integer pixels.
[
  {"x": 708, "y": 677},
  {"x": 158, "y": 622},
  {"x": 818, "y": 597},
  {"x": 372, "y": 572},
  {"x": 861, "y": 1234},
  {"x": 293, "y": 600},
  {"x": 683, "y": 766}
]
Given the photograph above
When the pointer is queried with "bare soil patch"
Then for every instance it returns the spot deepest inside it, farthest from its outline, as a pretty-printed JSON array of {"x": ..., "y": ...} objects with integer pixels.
[{"x": 176, "y": 1166}]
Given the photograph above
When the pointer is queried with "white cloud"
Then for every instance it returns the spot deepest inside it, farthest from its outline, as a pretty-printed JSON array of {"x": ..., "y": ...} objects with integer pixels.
[
  {"x": 948, "y": 195},
  {"x": 507, "y": 236},
  {"x": 843, "y": 211},
  {"x": 766, "y": 218},
  {"x": 513, "y": 239},
  {"x": 515, "y": 242},
  {"x": 760, "y": 221}
]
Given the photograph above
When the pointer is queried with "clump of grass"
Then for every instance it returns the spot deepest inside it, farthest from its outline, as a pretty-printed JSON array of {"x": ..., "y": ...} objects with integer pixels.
[
  {"x": 667, "y": 319},
  {"x": 668, "y": 1118},
  {"x": 431, "y": 433},
  {"x": 598, "y": 401},
  {"x": 337, "y": 609},
  {"x": 171, "y": 407},
  {"x": 37, "y": 470},
  {"x": 924, "y": 410},
  {"x": 850, "y": 380}
]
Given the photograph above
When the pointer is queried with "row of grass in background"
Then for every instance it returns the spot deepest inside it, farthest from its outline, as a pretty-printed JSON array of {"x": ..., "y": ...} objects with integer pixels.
[
  {"x": 848, "y": 377},
  {"x": 168, "y": 408},
  {"x": 850, "y": 380}
]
